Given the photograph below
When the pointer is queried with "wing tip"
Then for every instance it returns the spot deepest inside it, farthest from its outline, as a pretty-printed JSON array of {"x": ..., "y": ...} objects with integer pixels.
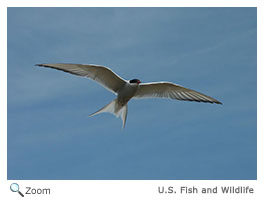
[
  {"x": 51, "y": 66},
  {"x": 213, "y": 102},
  {"x": 203, "y": 101},
  {"x": 218, "y": 102},
  {"x": 40, "y": 65}
]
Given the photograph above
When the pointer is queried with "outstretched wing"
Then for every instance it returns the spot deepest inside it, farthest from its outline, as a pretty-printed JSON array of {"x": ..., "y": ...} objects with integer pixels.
[
  {"x": 100, "y": 74},
  {"x": 173, "y": 91}
]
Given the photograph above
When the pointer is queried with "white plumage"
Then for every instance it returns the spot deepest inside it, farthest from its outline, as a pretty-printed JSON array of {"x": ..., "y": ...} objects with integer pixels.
[{"x": 125, "y": 90}]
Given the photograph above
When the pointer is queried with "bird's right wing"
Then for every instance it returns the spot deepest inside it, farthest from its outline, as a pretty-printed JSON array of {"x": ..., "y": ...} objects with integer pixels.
[
  {"x": 100, "y": 74},
  {"x": 171, "y": 90}
]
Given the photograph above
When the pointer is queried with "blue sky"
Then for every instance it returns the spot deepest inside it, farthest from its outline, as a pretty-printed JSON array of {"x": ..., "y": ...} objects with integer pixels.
[{"x": 210, "y": 50}]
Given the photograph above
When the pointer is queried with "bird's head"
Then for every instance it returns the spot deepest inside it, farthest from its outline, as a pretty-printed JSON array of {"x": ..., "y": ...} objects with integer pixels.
[{"x": 135, "y": 81}]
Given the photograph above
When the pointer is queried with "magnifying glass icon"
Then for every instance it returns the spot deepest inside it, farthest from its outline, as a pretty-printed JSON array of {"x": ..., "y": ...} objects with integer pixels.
[{"x": 15, "y": 188}]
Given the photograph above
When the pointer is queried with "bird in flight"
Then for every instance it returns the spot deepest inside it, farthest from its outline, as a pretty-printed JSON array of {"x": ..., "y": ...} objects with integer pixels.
[{"x": 126, "y": 90}]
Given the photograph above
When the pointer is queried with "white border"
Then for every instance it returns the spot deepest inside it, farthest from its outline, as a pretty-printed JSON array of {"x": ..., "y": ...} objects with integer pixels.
[
  {"x": 126, "y": 191},
  {"x": 134, "y": 3}
]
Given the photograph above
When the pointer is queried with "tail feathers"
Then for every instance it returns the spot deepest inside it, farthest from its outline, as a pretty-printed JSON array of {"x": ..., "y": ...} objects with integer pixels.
[
  {"x": 114, "y": 108},
  {"x": 123, "y": 113},
  {"x": 108, "y": 108}
]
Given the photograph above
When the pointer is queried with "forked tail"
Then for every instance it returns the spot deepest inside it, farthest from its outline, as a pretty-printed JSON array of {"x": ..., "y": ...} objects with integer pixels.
[{"x": 116, "y": 109}]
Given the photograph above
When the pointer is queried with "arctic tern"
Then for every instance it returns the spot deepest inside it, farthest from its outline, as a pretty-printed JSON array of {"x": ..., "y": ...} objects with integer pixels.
[{"x": 125, "y": 90}]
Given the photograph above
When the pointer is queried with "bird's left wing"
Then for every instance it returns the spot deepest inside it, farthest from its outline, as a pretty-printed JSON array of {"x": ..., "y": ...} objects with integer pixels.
[
  {"x": 173, "y": 91},
  {"x": 101, "y": 74}
]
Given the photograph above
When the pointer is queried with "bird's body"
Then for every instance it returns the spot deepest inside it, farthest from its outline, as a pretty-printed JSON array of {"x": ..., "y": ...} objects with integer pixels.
[{"x": 126, "y": 90}]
